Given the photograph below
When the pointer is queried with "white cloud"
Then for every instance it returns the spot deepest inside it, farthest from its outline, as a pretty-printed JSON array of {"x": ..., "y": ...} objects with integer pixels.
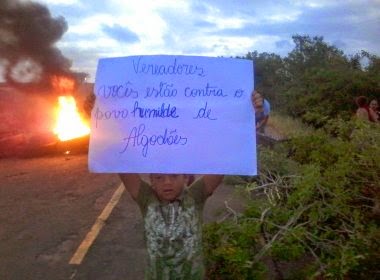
[
  {"x": 312, "y": 4},
  {"x": 61, "y": 2},
  {"x": 91, "y": 25},
  {"x": 215, "y": 16},
  {"x": 284, "y": 17},
  {"x": 331, "y": 3},
  {"x": 227, "y": 22},
  {"x": 99, "y": 43},
  {"x": 143, "y": 17},
  {"x": 214, "y": 45},
  {"x": 216, "y": 28}
]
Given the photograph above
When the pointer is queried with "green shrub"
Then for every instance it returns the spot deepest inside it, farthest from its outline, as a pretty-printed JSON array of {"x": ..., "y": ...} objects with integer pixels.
[{"x": 315, "y": 199}]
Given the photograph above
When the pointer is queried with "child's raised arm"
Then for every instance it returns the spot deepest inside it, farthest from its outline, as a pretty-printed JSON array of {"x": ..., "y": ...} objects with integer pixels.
[
  {"x": 211, "y": 183},
  {"x": 132, "y": 182}
]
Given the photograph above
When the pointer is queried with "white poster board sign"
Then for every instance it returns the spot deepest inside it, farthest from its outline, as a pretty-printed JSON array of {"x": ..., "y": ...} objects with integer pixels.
[{"x": 173, "y": 114}]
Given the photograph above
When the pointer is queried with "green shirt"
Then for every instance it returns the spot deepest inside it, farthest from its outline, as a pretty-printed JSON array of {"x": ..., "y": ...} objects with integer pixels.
[{"x": 173, "y": 233}]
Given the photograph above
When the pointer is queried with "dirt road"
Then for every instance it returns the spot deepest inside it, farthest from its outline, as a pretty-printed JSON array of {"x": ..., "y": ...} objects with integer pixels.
[{"x": 47, "y": 207}]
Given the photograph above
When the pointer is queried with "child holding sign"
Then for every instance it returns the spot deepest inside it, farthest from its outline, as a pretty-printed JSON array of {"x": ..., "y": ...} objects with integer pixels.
[
  {"x": 172, "y": 216},
  {"x": 146, "y": 111}
]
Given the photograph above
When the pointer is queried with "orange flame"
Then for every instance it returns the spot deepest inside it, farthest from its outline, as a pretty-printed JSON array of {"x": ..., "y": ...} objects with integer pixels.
[
  {"x": 63, "y": 84},
  {"x": 69, "y": 123}
]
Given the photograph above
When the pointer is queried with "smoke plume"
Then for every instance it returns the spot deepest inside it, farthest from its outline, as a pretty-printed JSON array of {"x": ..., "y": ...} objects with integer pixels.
[{"x": 28, "y": 34}]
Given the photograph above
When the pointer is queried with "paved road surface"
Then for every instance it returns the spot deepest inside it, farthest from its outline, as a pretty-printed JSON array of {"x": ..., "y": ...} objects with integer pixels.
[{"x": 47, "y": 207}]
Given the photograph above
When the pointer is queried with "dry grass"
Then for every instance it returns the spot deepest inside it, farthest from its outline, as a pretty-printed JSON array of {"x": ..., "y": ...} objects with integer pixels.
[{"x": 282, "y": 126}]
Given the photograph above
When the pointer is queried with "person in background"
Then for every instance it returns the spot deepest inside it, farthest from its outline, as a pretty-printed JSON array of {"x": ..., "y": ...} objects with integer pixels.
[
  {"x": 363, "y": 112},
  {"x": 262, "y": 110},
  {"x": 374, "y": 110}
]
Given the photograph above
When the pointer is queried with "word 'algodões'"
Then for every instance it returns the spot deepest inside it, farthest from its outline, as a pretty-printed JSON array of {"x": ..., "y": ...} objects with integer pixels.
[{"x": 137, "y": 137}]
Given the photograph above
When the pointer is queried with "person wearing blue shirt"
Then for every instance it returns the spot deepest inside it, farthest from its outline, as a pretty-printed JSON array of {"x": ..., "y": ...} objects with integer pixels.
[{"x": 262, "y": 110}]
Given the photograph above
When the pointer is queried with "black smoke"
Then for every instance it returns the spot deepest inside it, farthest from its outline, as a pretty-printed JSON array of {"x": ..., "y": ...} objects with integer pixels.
[{"x": 28, "y": 34}]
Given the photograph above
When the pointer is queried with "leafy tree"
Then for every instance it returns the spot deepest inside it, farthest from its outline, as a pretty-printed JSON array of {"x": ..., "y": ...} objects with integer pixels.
[
  {"x": 269, "y": 74},
  {"x": 310, "y": 53},
  {"x": 322, "y": 83},
  {"x": 373, "y": 67},
  {"x": 316, "y": 81}
]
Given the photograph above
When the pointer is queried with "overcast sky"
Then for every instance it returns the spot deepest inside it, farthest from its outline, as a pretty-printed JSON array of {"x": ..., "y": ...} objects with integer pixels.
[{"x": 110, "y": 28}]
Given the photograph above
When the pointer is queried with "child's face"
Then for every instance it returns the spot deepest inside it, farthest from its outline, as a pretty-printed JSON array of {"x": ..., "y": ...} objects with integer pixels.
[
  {"x": 373, "y": 104},
  {"x": 168, "y": 187}
]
